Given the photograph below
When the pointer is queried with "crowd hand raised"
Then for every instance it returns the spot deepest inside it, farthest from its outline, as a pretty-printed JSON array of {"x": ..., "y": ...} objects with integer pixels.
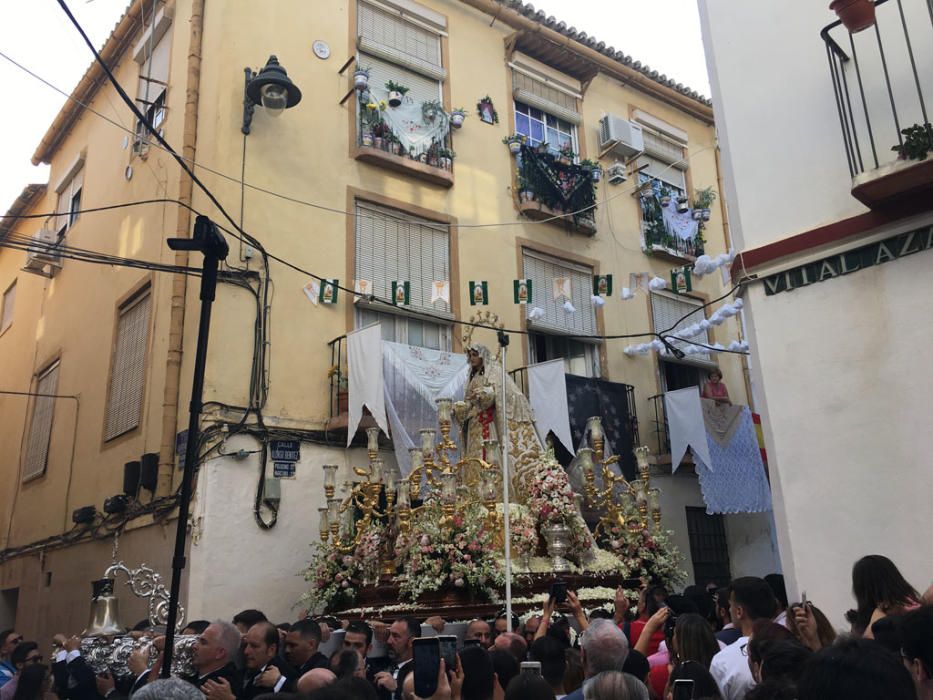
[
  {"x": 443, "y": 691},
  {"x": 657, "y": 620},
  {"x": 806, "y": 627},
  {"x": 59, "y": 640},
  {"x": 269, "y": 677},
  {"x": 456, "y": 680},
  {"x": 73, "y": 644},
  {"x": 437, "y": 622},
  {"x": 218, "y": 690},
  {"x": 380, "y": 631},
  {"x": 384, "y": 679}
]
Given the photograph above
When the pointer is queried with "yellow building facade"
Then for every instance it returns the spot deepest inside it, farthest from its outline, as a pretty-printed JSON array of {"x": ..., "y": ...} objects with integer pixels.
[{"x": 114, "y": 345}]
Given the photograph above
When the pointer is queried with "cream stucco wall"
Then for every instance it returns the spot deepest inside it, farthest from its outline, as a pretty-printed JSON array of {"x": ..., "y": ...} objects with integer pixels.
[{"x": 837, "y": 365}]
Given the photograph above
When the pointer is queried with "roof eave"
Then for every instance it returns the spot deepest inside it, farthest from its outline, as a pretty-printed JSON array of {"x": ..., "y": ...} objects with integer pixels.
[{"x": 29, "y": 196}]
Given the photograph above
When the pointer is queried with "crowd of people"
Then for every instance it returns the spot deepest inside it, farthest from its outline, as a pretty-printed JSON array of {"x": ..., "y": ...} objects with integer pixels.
[{"x": 745, "y": 641}]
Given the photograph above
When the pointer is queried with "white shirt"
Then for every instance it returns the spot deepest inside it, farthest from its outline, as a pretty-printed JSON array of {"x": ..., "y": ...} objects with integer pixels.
[
  {"x": 731, "y": 672},
  {"x": 781, "y": 619}
]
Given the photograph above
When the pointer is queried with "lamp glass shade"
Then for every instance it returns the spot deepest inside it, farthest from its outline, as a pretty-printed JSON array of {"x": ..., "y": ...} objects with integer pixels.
[{"x": 274, "y": 98}]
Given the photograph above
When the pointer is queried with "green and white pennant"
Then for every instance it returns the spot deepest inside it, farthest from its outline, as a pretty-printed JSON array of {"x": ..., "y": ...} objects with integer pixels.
[
  {"x": 479, "y": 293},
  {"x": 522, "y": 291},
  {"x": 328, "y": 291},
  {"x": 401, "y": 293},
  {"x": 681, "y": 280}
]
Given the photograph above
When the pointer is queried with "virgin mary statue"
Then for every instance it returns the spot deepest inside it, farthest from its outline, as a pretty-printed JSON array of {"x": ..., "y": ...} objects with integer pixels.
[{"x": 479, "y": 419}]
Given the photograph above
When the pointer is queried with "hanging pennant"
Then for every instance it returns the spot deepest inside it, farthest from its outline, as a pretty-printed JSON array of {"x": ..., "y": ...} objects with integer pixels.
[
  {"x": 479, "y": 293},
  {"x": 401, "y": 293},
  {"x": 639, "y": 280},
  {"x": 561, "y": 287},
  {"x": 312, "y": 290},
  {"x": 522, "y": 291},
  {"x": 681, "y": 280},
  {"x": 363, "y": 288},
  {"x": 602, "y": 285},
  {"x": 440, "y": 291},
  {"x": 328, "y": 291}
]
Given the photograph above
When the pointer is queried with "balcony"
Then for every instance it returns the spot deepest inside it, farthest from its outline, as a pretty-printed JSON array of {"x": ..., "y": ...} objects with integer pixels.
[
  {"x": 670, "y": 228},
  {"x": 423, "y": 151},
  {"x": 879, "y": 78},
  {"x": 552, "y": 187}
]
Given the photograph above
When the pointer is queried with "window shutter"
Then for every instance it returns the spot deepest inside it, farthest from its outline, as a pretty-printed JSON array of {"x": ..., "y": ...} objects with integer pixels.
[
  {"x": 127, "y": 381},
  {"x": 392, "y": 246},
  {"x": 542, "y": 270},
  {"x": 659, "y": 170},
  {"x": 40, "y": 430},
  {"x": 9, "y": 299},
  {"x": 664, "y": 149},
  {"x": 421, "y": 89},
  {"x": 667, "y": 309},
  {"x": 394, "y": 39},
  {"x": 539, "y": 94},
  {"x": 154, "y": 72}
]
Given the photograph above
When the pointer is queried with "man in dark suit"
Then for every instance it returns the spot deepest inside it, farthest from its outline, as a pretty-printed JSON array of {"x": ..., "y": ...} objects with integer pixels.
[
  {"x": 264, "y": 672},
  {"x": 213, "y": 656},
  {"x": 301, "y": 647},
  {"x": 402, "y": 634},
  {"x": 74, "y": 679}
]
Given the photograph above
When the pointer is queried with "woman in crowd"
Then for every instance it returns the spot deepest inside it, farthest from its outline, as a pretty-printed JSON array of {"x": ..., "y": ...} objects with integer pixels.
[
  {"x": 714, "y": 388},
  {"x": 34, "y": 683},
  {"x": 704, "y": 686},
  {"x": 689, "y": 638},
  {"x": 810, "y": 626},
  {"x": 880, "y": 590},
  {"x": 649, "y": 603}
]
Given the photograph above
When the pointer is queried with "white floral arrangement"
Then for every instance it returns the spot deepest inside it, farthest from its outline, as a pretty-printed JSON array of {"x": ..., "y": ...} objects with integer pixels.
[
  {"x": 552, "y": 499},
  {"x": 646, "y": 554},
  {"x": 336, "y": 577}
]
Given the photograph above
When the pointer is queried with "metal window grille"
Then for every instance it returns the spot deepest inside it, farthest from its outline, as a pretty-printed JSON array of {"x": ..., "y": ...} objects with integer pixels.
[
  {"x": 40, "y": 427},
  {"x": 127, "y": 380},
  {"x": 709, "y": 548}
]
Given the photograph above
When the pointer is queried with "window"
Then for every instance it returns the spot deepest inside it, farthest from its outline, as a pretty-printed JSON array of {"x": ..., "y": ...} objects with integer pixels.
[
  {"x": 40, "y": 427},
  {"x": 668, "y": 309},
  {"x": 128, "y": 374},
  {"x": 544, "y": 109},
  {"x": 538, "y": 126},
  {"x": 547, "y": 340},
  {"x": 153, "y": 79},
  {"x": 709, "y": 548},
  {"x": 69, "y": 200},
  {"x": 9, "y": 300},
  {"x": 394, "y": 247}
]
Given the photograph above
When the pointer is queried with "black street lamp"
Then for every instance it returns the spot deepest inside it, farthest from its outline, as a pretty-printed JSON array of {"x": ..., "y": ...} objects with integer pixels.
[
  {"x": 211, "y": 244},
  {"x": 271, "y": 88}
]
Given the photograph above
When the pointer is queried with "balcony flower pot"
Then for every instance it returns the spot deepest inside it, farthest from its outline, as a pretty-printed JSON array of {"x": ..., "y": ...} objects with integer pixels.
[
  {"x": 367, "y": 139},
  {"x": 395, "y": 147},
  {"x": 395, "y": 98},
  {"x": 445, "y": 162},
  {"x": 705, "y": 214},
  {"x": 457, "y": 117},
  {"x": 361, "y": 79},
  {"x": 514, "y": 143},
  {"x": 377, "y": 141},
  {"x": 856, "y": 15},
  {"x": 697, "y": 214},
  {"x": 596, "y": 174},
  {"x": 682, "y": 205},
  {"x": 527, "y": 195},
  {"x": 665, "y": 200}
]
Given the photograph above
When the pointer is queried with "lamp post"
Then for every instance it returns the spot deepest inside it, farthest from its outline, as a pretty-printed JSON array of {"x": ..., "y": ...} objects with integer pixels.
[
  {"x": 213, "y": 247},
  {"x": 271, "y": 88}
]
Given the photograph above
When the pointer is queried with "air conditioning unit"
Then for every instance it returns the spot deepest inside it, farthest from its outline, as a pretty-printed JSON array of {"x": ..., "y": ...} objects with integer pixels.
[
  {"x": 620, "y": 136},
  {"x": 43, "y": 254}
]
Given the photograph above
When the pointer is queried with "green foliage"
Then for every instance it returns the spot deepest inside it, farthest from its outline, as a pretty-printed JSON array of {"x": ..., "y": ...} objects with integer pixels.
[
  {"x": 393, "y": 86},
  {"x": 559, "y": 186},
  {"x": 918, "y": 142},
  {"x": 704, "y": 198}
]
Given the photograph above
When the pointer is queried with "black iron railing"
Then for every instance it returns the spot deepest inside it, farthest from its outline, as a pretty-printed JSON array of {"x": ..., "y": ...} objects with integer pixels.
[
  {"x": 660, "y": 436},
  {"x": 877, "y": 84},
  {"x": 337, "y": 374}
]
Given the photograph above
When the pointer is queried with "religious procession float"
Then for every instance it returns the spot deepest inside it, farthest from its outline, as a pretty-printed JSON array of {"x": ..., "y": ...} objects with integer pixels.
[{"x": 463, "y": 525}]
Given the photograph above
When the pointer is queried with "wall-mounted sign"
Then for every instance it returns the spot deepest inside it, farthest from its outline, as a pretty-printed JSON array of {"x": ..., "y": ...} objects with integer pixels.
[
  {"x": 869, "y": 255},
  {"x": 285, "y": 450},
  {"x": 283, "y": 470}
]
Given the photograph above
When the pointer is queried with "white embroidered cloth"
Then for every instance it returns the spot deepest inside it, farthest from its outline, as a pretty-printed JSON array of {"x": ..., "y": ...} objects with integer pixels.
[{"x": 409, "y": 125}]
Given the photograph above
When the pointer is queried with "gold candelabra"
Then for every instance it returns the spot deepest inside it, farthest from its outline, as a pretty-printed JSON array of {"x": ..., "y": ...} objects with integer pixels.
[{"x": 623, "y": 503}]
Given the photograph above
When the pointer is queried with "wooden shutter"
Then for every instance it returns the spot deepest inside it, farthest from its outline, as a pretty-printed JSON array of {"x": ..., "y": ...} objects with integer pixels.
[
  {"x": 127, "y": 379},
  {"x": 392, "y": 246},
  {"x": 539, "y": 94},
  {"x": 394, "y": 39},
  {"x": 421, "y": 89},
  {"x": 9, "y": 300},
  {"x": 666, "y": 309},
  {"x": 153, "y": 73},
  {"x": 543, "y": 269},
  {"x": 664, "y": 149},
  {"x": 659, "y": 170},
  {"x": 40, "y": 428}
]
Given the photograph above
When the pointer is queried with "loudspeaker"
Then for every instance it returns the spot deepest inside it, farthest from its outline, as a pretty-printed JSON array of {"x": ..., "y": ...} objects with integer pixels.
[
  {"x": 149, "y": 471},
  {"x": 131, "y": 472},
  {"x": 83, "y": 515}
]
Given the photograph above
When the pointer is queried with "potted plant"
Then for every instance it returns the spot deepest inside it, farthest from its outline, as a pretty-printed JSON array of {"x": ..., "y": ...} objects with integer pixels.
[
  {"x": 396, "y": 93},
  {"x": 683, "y": 205},
  {"x": 544, "y": 147},
  {"x": 856, "y": 15},
  {"x": 514, "y": 142},
  {"x": 457, "y": 117},
  {"x": 367, "y": 138},
  {"x": 918, "y": 141},
  {"x": 393, "y": 143},
  {"x": 566, "y": 155},
  {"x": 665, "y": 197},
  {"x": 445, "y": 158},
  {"x": 702, "y": 202},
  {"x": 595, "y": 171},
  {"x": 429, "y": 110},
  {"x": 380, "y": 132},
  {"x": 361, "y": 77}
]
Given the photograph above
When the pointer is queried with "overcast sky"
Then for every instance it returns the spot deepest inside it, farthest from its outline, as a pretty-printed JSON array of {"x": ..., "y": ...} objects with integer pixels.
[{"x": 665, "y": 34}]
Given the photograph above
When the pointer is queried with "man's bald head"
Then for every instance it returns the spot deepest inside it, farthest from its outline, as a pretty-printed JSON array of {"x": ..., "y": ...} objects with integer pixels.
[
  {"x": 314, "y": 679},
  {"x": 513, "y": 643}
]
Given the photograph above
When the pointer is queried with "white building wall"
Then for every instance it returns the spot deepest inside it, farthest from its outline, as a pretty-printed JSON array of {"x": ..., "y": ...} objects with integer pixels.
[{"x": 839, "y": 367}]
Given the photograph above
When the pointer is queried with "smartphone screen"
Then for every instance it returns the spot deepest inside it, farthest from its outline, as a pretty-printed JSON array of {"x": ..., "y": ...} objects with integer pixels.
[
  {"x": 683, "y": 689},
  {"x": 559, "y": 591},
  {"x": 471, "y": 643},
  {"x": 427, "y": 659},
  {"x": 448, "y": 643},
  {"x": 531, "y": 667}
]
